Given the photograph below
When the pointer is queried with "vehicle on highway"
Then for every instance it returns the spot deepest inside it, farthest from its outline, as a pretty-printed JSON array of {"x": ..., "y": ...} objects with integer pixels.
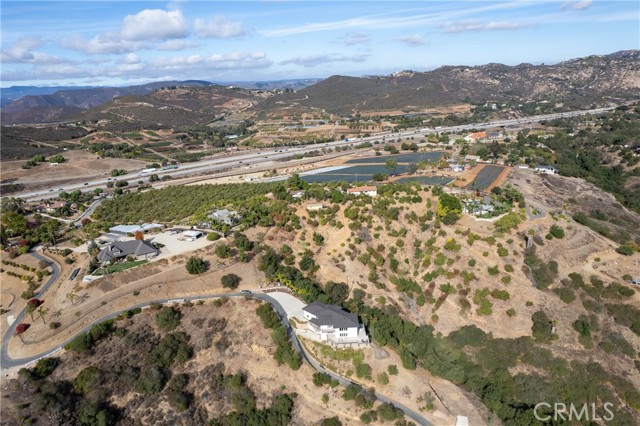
[
  {"x": 86, "y": 183},
  {"x": 51, "y": 190},
  {"x": 246, "y": 292}
]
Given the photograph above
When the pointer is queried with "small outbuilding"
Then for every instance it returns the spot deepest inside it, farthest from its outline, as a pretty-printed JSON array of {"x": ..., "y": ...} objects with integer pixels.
[{"x": 371, "y": 191}]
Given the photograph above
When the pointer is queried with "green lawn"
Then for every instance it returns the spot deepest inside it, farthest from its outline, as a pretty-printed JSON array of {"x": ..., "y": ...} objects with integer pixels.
[{"x": 119, "y": 267}]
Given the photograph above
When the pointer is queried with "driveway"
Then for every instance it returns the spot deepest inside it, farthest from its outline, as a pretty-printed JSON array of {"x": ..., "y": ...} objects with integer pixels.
[{"x": 290, "y": 304}]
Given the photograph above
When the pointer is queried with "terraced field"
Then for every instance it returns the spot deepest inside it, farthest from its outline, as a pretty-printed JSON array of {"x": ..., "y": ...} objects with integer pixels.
[
  {"x": 414, "y": 157},
  {"x": 486, "y": 177}
]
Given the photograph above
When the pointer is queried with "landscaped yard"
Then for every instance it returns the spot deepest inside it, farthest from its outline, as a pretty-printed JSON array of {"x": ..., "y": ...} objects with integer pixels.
[{"x": 119, "y": 267}]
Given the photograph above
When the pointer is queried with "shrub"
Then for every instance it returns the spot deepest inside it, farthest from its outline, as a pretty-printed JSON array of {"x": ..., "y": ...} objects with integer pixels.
[
  {"x": 318, "y": 239},
  {"x": 556, "y": 231},
  {"x": 471, "y": 262},
  {"x": 223, "y": 251},
  {"x": 331, "y": 421},
  {"x": 230, "y": 281},
  {"x": 88, "y": 379},
  {"x": 196, "y": 265},
  {"x": 173, "y": 347},
  {"x": 363, "y": 371},
  {"x": 393, "y": 370},
  {"x": 388, "y": 412},
  {"x": 566, "y": 294},
  {"x": 500, "y": 294},
  {"x": 511, "y": 312},
  {"x": 45, "y": 366},
  {"x": 502, "y": 252},
  {"x": 321, "y": 379},
  {"x": 542, "y": 327},
  {"x": 493, "y": 270},
  {"x": 625, "y": 249},
  {"x": 168, "y": 318},
  {"x": 151, "y": 380},
  {"x": 213, "y": 236},
  {"x": 383, "y": 378}
]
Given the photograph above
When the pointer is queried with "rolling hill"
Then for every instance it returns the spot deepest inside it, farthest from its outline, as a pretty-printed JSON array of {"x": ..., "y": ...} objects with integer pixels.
[
  {"x": 66, "y": 103},
  {"x": 576, "y": 83}
]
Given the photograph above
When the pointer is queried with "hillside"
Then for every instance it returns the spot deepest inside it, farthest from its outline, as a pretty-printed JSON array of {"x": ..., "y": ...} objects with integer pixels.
[
  {"x": 173, "y": 107},
  {"x": 215, "y": 363},
  {"x": 464, "y": 299},
  {"x": 575, "y": 84},
  {"x": 64, "y": 104}
]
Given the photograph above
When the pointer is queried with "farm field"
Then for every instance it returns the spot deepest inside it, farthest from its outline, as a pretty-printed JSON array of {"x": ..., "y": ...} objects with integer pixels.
[
  {"x": 427, "y": 180},
  {"x": 486, "y": 177},
  {"x": 322, "y": 178},
  {"x": 413, "y": 157}
]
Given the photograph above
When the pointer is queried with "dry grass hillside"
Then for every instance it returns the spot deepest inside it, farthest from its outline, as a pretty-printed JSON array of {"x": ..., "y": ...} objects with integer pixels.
[{"x": 226, "y": 339}]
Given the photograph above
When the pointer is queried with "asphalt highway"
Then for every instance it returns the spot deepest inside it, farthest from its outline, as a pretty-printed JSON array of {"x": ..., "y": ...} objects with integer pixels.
[{"x": 252, "y": 161}]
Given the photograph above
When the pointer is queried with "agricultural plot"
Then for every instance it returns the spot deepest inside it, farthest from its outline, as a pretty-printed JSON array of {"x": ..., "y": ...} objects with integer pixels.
[
  {"x": 486, "y": 177},
  {"x": 324, "y": 178},
  {"x": 427, "y": 180},
  {"x": 414, "y": 157}
]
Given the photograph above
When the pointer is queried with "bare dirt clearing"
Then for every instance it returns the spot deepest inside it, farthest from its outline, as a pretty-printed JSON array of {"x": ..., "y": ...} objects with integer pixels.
[{"x": 80, "y": 166}]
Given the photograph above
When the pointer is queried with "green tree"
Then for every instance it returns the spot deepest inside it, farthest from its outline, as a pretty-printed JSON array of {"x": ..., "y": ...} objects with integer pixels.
[
  {"x": 448, "y": 208},
  {"x": 168, "y": 318},
  {"x": 392, "y": 165},
  {"x": 196, "y": 265},
  {"x": 230, "y": 281},
  {"x": 223, "y": 251}
]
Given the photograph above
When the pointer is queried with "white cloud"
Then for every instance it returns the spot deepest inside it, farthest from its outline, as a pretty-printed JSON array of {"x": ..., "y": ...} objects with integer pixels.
[
  {"x": 107, "y": 43},
  {"x": 473, "y": 25},
  {"x": 153, "y": 25},
  {"x": 218, "y": 27},
  {"x": 136, "y": 30},
  {"x": 402, "y": 18},
  {"x": 576, "y": 5},
  {"x": 315, "y": 60},
  {"x": 178, "y": 44},
  {"x": 23, "y": 51},
  {"x": 46, "y": 72},
  {"x": 195, "y": 66},
  {"x": 412, "y": 40},
  {"x": 130, "y": 58},
  {"x": 356, "y": 38},
  {"x": 232, "y": 60}
]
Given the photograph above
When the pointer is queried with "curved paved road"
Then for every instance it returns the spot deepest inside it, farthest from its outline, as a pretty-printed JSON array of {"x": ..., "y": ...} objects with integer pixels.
[{"x": 7, "y": 362}]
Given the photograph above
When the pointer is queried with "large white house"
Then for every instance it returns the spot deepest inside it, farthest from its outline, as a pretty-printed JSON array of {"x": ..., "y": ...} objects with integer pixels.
[{"x": 334, "y": 325}]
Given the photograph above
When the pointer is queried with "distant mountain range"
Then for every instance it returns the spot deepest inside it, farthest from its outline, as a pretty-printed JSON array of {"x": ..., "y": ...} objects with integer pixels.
[
  {"x": 31, "y": 104},
  {"x": 574, "y": 84},
  {"x": 577, "y": 83}
]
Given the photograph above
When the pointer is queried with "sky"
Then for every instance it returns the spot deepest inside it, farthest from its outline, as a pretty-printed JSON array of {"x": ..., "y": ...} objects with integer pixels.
[{"x": 54, "y": 43}]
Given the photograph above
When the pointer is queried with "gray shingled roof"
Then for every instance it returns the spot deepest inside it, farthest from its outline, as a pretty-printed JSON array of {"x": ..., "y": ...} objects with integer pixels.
[
  {"x": 125, "y": 248},
  {"x": 331, "y": 315}
]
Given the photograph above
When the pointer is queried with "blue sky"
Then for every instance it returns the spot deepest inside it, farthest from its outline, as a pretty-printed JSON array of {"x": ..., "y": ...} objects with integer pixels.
[{"x": 129, "y": 42}]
